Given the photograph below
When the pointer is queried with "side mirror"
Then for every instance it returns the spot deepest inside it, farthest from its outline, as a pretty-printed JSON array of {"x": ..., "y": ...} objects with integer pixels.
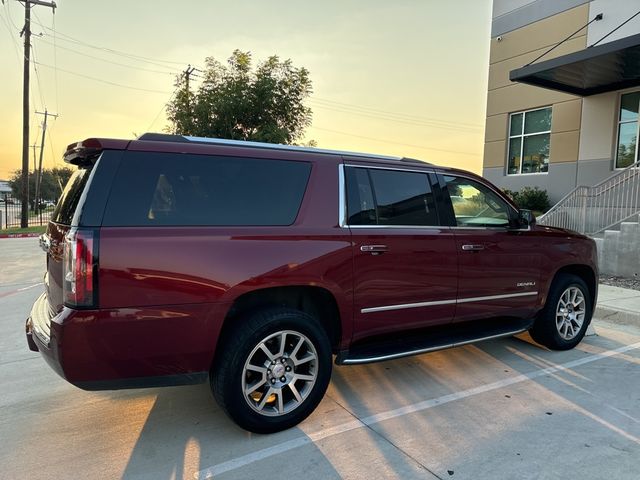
[{"x": 526, "y": 218}]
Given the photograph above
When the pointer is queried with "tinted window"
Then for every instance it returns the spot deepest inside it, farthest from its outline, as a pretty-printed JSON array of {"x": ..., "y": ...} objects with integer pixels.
[
  {"x": 400, "y": 198},
  {"x": 70, "y": 196},
  {"x": 173, "y": 189},
  {"x": 475, "y": 205},
  {"x": 360, "y": 205}
]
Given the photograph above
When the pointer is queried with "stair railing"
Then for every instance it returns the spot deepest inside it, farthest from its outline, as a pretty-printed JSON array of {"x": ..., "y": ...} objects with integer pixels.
[{"x": 592, "y": 210}]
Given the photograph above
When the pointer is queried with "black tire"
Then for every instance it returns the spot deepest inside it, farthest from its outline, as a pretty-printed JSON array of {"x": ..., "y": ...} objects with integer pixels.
[
  {"x": 546, "y": 330},
  {"x": 228, "y": 375}
]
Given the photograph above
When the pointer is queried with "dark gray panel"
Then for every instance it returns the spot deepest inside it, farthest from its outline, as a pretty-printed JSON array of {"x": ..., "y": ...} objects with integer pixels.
[{"x": 531, "y": 13}]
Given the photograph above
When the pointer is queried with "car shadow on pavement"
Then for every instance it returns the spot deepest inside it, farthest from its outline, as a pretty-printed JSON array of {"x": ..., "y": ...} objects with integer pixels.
[{"x": 186, "y": 432}]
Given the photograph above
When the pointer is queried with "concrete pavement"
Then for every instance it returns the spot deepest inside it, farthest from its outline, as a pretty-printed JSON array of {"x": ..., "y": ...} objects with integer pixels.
[{"x": 500, "y": 409}]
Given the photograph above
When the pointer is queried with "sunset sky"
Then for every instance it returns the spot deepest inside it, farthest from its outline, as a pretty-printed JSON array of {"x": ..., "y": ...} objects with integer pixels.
[{"x": 403, "y": 78}]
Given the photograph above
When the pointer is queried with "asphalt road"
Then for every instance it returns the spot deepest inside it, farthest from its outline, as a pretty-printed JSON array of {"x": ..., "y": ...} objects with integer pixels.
[{"x": 504, "y": 409}]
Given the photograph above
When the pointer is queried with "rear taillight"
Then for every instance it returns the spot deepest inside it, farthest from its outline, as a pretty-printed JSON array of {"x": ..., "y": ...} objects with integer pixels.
[{"x": 80, "y": 268}]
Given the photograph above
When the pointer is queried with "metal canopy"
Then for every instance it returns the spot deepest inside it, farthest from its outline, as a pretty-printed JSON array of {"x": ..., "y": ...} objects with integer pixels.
[{"x": 603, "y": 68}]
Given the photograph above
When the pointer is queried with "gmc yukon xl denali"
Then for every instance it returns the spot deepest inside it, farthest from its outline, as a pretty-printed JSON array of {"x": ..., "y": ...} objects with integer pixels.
[{"x": 176, "y": 260}]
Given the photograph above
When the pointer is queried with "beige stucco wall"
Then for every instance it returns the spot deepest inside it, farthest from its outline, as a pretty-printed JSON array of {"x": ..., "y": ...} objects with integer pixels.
[{"x": 515, "y": 49}]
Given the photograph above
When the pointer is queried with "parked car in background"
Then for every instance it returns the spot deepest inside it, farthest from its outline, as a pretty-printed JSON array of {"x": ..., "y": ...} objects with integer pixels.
[{"x": 176, "y": 260}]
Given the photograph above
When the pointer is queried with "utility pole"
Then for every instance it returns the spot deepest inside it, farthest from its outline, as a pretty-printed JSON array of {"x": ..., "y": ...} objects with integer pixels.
[
  {"x": 39, "y": 176},
  {"x": 188, "y": 73},
  {"x": 35, "y": 160},
  {"x": 26, "y": 31}
]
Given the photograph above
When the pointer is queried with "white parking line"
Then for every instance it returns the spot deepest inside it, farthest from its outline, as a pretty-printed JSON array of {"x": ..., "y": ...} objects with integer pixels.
[
  {"x": 256, "y": 456},
  {"x": 30, "y": 286}
]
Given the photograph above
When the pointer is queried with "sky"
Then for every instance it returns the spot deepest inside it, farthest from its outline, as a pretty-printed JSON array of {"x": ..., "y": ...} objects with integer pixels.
[{"x": 406, "y": 78}]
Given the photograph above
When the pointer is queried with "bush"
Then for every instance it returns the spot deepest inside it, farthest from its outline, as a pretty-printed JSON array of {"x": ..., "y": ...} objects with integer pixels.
[{"x": 530, "y": 198}]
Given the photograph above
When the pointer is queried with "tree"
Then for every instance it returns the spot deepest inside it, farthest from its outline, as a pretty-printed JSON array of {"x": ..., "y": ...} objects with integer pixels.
[
  {"x": 236, "y": 102},
  {"x": 53, "y": 180}
]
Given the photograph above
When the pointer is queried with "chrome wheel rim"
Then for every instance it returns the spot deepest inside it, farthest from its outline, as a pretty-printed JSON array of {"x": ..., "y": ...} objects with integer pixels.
[
  {"x": 280, "y": 373},
  {"x": 570, "y": 313}
]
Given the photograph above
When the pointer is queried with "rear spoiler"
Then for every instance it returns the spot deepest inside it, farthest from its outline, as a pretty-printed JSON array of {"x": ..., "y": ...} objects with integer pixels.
[{"x": 86, "y": 152}]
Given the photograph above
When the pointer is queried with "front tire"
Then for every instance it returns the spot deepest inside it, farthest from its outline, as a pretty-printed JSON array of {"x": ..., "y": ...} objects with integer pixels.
[
  {"x": 272, "y": 369},
  {"x": 564, "y": 320}
]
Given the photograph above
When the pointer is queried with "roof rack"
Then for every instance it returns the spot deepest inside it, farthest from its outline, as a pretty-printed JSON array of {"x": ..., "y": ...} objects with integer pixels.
[{"x": 163, "y": 137}]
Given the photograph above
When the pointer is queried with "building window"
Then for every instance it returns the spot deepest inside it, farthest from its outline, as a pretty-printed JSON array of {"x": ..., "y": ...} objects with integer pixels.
[
  {"x": 529, "y": 135},
  {"x": 627, "y": 151}
]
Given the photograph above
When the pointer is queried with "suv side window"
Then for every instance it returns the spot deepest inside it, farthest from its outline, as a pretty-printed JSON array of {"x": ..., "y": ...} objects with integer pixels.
[
  {"x": 152, "y": 189},
  {"x": 475, "y": 205},
  {"x": 389, "y": 197}
]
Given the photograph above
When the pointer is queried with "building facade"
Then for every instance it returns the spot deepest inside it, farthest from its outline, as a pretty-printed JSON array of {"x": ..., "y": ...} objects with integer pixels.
[{"x": 569, "y": 118}]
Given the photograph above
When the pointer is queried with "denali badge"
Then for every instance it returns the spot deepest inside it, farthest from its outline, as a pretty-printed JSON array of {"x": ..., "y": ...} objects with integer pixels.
[{"x": 525, "y": 284}]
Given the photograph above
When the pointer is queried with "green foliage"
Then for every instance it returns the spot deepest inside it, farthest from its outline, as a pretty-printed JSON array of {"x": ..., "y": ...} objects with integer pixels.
[
  {"x": 53, "y": 181},
  {"x": 234, "y": 101},
  {"x": 530, "y": 198}
]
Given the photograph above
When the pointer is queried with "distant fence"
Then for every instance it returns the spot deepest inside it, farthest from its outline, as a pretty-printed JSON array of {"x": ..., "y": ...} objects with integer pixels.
[{"x": 11, "y": 208}]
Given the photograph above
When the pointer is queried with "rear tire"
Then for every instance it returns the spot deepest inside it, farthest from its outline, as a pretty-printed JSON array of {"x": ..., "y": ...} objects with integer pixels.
[
  {"x": 563, "y": 321},
  {"x": 272, "y": 369}
]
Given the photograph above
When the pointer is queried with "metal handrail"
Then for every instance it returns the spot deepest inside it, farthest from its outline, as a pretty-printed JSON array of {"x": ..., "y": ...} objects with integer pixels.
[{"x": 593, "y": 209}]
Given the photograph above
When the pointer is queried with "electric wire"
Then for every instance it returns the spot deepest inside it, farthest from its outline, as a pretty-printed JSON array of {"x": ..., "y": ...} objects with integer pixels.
[
  {"x": 107, "y": 82},
  {"x": 395, "y": 114},
  {"x": 382, "y": 140},
  {"x": 452, "y": 127},
  {"x": 110, "y": 61}
]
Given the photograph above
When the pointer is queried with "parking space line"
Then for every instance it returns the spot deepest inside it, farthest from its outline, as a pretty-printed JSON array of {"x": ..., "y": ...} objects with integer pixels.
[
  {"x": 18, "y": 290},
  {"x": 288, "y": 445}
]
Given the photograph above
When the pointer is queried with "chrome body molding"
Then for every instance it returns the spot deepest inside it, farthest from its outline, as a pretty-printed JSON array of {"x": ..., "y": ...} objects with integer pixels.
[{"x": 445, "y": 302}]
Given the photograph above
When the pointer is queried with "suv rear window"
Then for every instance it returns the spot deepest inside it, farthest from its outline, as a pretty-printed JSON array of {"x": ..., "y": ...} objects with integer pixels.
[
  {"x": 170, "y": 189},
  {"x": 68, "y": 202}
]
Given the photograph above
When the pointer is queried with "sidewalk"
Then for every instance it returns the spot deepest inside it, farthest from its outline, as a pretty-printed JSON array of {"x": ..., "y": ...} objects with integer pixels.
[{"x": 618, "y": 305}]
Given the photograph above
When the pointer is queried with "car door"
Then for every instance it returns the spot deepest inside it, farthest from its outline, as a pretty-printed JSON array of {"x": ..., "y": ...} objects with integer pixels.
[
  {"x": 405, "y": 263},
  {"x": 498, "y": 263}
]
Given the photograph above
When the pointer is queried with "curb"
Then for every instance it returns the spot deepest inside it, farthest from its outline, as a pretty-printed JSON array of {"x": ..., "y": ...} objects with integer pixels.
[
  {"x": 621, "y": 317},
  {"x": 19, "y": 235}
]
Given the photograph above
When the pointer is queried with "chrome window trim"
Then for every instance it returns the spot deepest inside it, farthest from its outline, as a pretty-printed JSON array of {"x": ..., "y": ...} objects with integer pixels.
[
  {"x": 428, "y": 168},
  {"x": 445, "y": 302},
  {"x": 342, "y": 198},
  {"x": 423, "y": 227}
]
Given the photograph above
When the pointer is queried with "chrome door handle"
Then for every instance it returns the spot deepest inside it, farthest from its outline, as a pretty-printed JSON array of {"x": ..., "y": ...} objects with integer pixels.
[
  {"x": 374, "y": 249},
  {"x": 472, "y": 248}
]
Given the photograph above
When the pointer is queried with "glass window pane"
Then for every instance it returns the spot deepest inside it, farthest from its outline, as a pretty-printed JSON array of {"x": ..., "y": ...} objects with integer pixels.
[
  {"x": 475, "y": 205},
  {"x": 514, "y": 155},
  {"x": 516, "y": 124},
  {"x": 360, "y": 205},
  {"x": 535, "y": 154},
  {"x": 167, "y": 189},
  {"x": 537, "y": 121},
  {"x": 629, "y": 106},
  {"x": 71, "y": 196},
  {"x": 627, "y": 137},
  {"x": 403, "y": 198}
]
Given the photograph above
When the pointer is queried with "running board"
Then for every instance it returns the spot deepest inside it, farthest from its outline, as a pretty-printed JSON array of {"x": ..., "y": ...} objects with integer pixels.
[{"x": 432, "y": 339}]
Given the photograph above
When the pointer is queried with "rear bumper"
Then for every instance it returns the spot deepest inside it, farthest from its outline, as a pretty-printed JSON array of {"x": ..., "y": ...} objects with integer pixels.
[{"x": 108, "y": 349}]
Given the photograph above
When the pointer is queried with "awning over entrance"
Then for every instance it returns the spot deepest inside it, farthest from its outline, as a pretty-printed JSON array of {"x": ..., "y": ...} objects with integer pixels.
[{"x": 603, "y": 68}]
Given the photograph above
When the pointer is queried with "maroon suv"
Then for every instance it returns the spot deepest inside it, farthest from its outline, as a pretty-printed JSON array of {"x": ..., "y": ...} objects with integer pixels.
[{"x": 173, "y": 260}]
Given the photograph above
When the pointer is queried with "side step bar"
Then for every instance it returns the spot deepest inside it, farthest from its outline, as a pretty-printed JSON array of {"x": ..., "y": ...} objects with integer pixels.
[{"x": 430, "y": 340}]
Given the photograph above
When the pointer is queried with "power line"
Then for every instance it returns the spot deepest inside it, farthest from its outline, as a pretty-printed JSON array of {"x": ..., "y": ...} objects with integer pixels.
[
  {"x": 387, "y": 112},
  {"x": 175, "y": 72},
  {"x": 115, "y": 84},
  {"x": 164, "y": 106},
  {"x": 394, "y": 143},
  {"x": 157, "y": 61},
  {"x": 400, "y": 119}
]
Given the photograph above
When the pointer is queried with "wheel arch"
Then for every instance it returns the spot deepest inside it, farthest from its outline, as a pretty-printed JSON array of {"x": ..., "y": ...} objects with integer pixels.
[
  {"x": 585, "y": 272},
  {"x": 314, "y": 300}
]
